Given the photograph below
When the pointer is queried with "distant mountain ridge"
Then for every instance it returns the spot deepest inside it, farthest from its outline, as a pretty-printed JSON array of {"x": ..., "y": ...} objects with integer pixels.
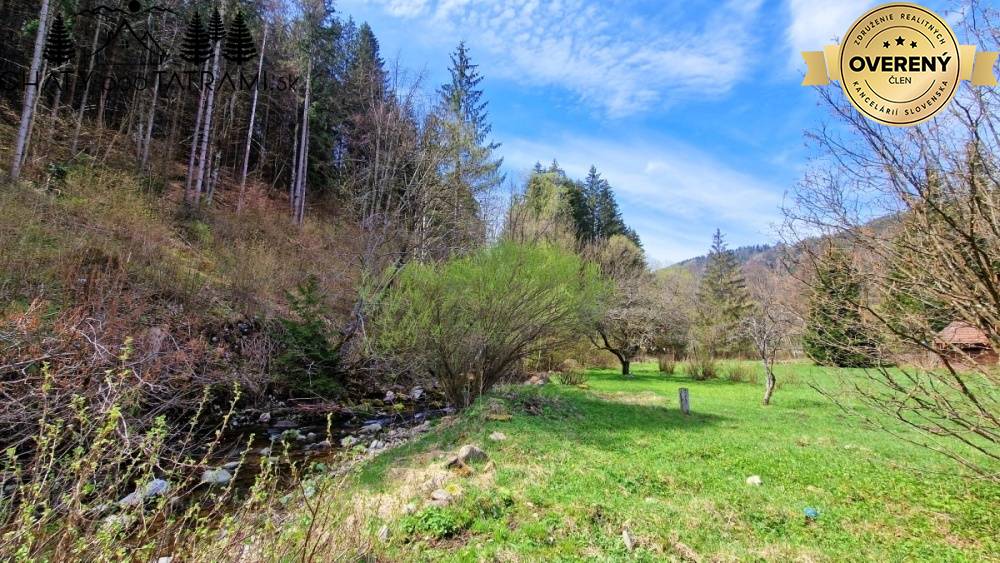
[{"x": 767, "y": 253}]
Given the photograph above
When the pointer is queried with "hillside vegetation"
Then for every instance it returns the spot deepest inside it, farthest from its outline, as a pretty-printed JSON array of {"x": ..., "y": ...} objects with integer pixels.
[{"x": 612, "y": 470}]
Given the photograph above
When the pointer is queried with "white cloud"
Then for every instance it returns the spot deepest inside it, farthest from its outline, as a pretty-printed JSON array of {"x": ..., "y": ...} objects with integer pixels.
[
  {"x": 674, "y": 195},
  {"x": 405, "y": 8},
  {"x": 612, "y": 57},
  {"x": 815, "y": 24}
]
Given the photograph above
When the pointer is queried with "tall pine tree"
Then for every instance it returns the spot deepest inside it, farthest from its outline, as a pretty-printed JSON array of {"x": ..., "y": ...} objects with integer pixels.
[
  {"x": 596, "y": 212},
  {"x": 471, "y": 169},
  {"x": 723, "y": 303}
]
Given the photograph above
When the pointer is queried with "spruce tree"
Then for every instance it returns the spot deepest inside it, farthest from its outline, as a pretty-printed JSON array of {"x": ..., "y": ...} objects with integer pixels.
[
  {"x": 239, "y": 47},
  {"x": 196, "y": 46},
  {"x": 330, "y": 44},
  {"x": 596, "y": 211},
  {"x": 723, "y": 302},
  {"x": 58, "y": 44},
  {"x": 471, "y": 169},
  {"x": 835, "y": 333}
]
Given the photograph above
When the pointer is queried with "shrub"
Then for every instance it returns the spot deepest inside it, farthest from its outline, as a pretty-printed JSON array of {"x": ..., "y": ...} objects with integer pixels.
[
  {"x": 570, "y": 373},
  {"x": 666, "y": 364},
  {"x": 471, "y": 321},
  {"x": 309, "y": 360},
  {"x": 703, "y": 367},
  {"x": 574, "y": 377},
  {"x": 738, "y": 372},
  {"x": 434, "y": 522}
]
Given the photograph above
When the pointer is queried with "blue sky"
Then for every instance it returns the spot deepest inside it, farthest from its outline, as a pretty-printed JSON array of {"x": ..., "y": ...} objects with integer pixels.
[{"x": 692, "y": 110}]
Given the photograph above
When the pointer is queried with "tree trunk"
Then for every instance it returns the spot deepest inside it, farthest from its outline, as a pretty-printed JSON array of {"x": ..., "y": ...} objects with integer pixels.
[
  {"x": 147, "y": 137},
  {"x": 86, "y": 86},
  {"x": 769, "y": 385},
  {"x": 293, "y": 186},
  {"x": 30, "y": 92},
  {"x": 626, "y": 366},
  {"x": 195, "y": 139},
  {"x": 207, "y": 133},
  {"x": 299, "y": 214},
  {"x": 253, "y": 114}
]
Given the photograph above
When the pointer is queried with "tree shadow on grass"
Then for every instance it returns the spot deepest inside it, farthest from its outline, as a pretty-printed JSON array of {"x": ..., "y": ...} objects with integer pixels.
[
  {"x": 601, "y": 420},
  {"x": 592, "y": 419},
  {"x": 657, "y": 377}
]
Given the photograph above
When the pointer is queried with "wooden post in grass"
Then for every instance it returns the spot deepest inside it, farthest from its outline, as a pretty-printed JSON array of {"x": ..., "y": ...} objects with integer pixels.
[{"x": 685, "y": 407}]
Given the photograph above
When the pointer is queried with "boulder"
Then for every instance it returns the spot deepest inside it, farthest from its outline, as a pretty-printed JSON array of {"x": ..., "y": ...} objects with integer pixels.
[
  {"x": 264, "y": 418},
  {"x": 628, "y": 539},
  {"x": 285, "y": 424},
  {"x": 755, "y": 480},
  {"x": 323, "y": 446},
  {"x": 390, "y": 397},
  {"x": 416, "y": 393},
  {"x": 216, "y": 477},
  {"x": 154, "y": 488},
  {"x": 348, "y": 441},
  {"x": 467, "y": 454},
  {"x": 498, "y": 436},
  {"x": 231, "y": 465},
  {"x": 441, "y": 495},
  {"x": 376, "y": 445},
  {"x": 373, "y": 428}
]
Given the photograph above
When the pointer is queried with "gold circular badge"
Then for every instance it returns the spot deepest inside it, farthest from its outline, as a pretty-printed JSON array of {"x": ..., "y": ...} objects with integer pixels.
[{"x": 899, "y": 64}]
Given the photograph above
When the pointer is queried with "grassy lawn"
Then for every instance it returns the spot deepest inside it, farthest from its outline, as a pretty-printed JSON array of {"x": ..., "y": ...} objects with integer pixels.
[{"x": 581, "y": 465}]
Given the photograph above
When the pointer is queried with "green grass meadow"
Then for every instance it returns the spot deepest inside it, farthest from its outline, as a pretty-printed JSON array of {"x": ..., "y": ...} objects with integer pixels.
[{"x": 579, "y": 466}]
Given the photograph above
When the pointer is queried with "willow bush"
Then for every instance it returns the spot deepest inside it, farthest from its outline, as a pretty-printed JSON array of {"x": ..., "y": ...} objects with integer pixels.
[{"x": 469, "y": 322}]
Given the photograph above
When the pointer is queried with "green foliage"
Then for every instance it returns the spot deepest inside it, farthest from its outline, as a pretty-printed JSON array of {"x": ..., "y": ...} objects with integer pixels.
[
  {"x": 471, "y": 321},
  {"x": 835, "y": 333},
  {"x": 433, "y": 522},
  {"x": 723, "y": 302},
  {"x": 470, "y": 168},
  {"x": 475, "y": 508},
  {"x": 572, "y": 377},
  {"x": 595, "y": 210},
  {"x": 309, "y": 361}
]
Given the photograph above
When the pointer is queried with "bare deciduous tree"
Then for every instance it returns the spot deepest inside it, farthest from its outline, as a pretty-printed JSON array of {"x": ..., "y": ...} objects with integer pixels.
[
  {"x": 768, "y": 325},
  {"x": 632, "y": 318}
]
